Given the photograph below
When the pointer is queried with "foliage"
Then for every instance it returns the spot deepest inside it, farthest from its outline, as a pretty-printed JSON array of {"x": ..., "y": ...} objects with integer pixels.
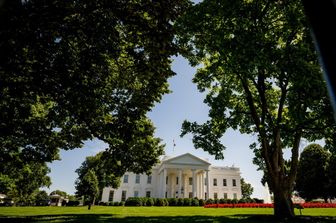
[
  {"x": 259, "y": 69},
  {"x": 88, "y": 186},
  {"x": 80, "y": 70},
  {"x": 312, "y": 171},
  {"x": 246, "y": 188},
  {"x": 134, "y": 201},
  {"x": 106, "y": 176},
  {"x": 150, "y": 202},
  {"x": 21, "y": 180},
  {"x": 41, "y": 198},
  {"x": 72, "y": 203}
]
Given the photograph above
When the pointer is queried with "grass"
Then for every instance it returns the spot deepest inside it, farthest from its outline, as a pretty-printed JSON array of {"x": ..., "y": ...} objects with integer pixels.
[{"x": 101, "y": 214}]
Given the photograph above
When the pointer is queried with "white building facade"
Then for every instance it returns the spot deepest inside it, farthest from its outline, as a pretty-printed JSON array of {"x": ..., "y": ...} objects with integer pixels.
[{"x": 184, "y": 176}]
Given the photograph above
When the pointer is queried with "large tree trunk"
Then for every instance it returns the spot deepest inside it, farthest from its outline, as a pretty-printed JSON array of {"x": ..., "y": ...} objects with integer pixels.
[{"x": 283, "y": 205}]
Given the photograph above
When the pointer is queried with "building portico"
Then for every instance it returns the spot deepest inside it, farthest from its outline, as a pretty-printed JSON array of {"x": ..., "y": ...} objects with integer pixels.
[{"x": 183, "y": 177}]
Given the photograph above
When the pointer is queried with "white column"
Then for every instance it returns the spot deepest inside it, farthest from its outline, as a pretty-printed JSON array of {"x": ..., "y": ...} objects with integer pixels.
[
  {"x": 164, "y": 182},
  {"x": 179, "y": 182},
  {"x": 202, "y": 185},
  {"x": 193, "y": 183},
  {"x": 198, "y": 177},
  {"x": 208, "y": 184}
]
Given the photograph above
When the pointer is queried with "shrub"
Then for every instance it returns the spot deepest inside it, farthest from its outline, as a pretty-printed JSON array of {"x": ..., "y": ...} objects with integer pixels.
[
  {"x": 234, "y": 201},
  {"x": 116, "y": 203},
  {"x": 73, "y": 203},
  {"x": 216, "y": 201},
  {"x": 201, "y": 202},
  {"x": 173, "y": 201},
  {"x": 102, "y": 203},
  {"x": 144, "y": 201},
  {"x": 150, "y": 202},
  {"x": 133, "y": 201},
  {"x": 122, "y": 203},
  {"x": 187, "y": 202},
  {"x": 180, "y": 202},
  {"x": 209, "y": 201},
  {"x": 160, "y": 202},
  {"x": 194, "y": 202}
]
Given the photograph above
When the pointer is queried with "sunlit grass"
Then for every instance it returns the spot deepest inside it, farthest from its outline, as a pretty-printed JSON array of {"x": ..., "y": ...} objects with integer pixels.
[{"x": 150, "y": 214}]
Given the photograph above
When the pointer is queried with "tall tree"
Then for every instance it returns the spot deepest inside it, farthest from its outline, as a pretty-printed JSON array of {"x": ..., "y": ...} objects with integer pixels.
[
  {"x": 72, "y": 71},
  {"x": 261, "y": 75},
  {"x": 246, "y": 188},
  {"x": 105, "y": 175},
  {"x": 312, "y": 171},
  {"x": 21, "y": 179},
  {"x": 88, "y": 187}
]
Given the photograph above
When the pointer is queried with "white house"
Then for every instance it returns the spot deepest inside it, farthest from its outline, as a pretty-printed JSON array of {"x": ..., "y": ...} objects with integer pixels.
[{"x": 184, "y": 176}]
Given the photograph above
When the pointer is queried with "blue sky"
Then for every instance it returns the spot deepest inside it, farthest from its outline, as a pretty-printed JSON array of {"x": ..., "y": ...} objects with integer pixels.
[{"x": 185, "y": 102}]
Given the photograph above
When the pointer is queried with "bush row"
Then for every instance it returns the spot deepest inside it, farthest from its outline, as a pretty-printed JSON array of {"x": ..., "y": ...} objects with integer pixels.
[{"x": 145, "y": 201}]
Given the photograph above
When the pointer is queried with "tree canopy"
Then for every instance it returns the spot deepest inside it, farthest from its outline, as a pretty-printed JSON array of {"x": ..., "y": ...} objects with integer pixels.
[
  {"x": 261, "y": 75},
  {"x": 246, "y": 188},
  {"x": 106, "y": 176},
  {"x": 88, "y": 186},
  {"x": 312, "y": 171},
  {"x": 20, "y": 180},
  {"x": 72, "y": 71}
]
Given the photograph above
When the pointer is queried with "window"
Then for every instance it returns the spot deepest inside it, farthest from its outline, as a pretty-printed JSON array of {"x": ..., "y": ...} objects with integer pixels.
[
  {"x": 224, "y": 183},
  {"x": 166, "y": 179},
  {"x": 136, "y": 193},
  {"x": 215, "y": 182},
  {"x": 215, "y": 196},
  {"x": 176, "y": 180},
  {"x": 149, "y": 179},
  {"x": 111, "y": 195},
  {"x": 166, "y": 194},
  {"x": 190, "y": 195},
  {"x": 206, "y": 181},
  {"x": 234, "y": 183},
  {"x": 125, "y": 179},
  {"x": 123, "y": 195},
  {"x": 148, "y": 194},
  {"x": 234, "y": 196},
  {"x": 137, "y": 179},
  {"x": 190, "y": 181},
  {"x": 225, "y": 196}
]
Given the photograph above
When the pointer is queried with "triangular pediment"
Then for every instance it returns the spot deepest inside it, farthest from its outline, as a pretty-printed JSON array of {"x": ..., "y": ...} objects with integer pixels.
[{"x": 186, "y": 158}]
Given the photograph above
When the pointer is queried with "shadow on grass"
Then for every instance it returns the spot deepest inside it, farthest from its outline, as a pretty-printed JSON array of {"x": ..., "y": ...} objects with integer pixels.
[{"x": 104, "y": 218}]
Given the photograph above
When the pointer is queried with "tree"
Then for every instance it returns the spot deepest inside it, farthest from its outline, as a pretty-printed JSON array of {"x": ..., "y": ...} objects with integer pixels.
[
  {"x": 41, "y": 198},
  {"x": 246, "y": 188},
  {"x": 261, "y": 76},
  {"x": 312, "y": 171},
  {"x": 78, "y": 70},
  {"x": 106, "y": 176},
  {"x": 88, "y": 187},
  {"x": 20, "y": 180}
]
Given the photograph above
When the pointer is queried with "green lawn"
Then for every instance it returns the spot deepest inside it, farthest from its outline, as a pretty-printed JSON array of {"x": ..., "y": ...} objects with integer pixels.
[{"x": 101, "y": 214}]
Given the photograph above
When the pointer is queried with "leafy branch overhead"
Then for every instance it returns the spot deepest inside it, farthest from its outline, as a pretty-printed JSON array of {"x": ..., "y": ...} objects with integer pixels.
[{"x": 77, "y": 70}]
